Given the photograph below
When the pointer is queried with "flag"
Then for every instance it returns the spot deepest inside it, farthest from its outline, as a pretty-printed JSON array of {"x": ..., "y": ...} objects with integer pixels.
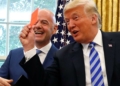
[{"x": 62, "y": 36}]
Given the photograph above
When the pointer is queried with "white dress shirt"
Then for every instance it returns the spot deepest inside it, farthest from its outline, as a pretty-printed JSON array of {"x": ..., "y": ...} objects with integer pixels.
[
  {"x": 86, "y": 51},
  {"x": 29, "y": 54}
]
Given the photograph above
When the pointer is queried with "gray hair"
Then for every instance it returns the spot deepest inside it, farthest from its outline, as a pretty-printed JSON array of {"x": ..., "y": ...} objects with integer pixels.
[{"x": 89, "y": 8}]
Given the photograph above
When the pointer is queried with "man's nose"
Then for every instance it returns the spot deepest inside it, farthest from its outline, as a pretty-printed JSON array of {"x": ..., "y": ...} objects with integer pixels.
[
  {"x": 38, "y": 25},
  {"x": 71, "y": 24}
]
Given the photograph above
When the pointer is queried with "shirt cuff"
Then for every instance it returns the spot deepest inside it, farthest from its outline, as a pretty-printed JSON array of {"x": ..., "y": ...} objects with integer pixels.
[{"x": 29, "y": 54}]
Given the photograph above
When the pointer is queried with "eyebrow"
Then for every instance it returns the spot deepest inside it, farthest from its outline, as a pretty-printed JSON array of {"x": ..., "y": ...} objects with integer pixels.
[
  {"x": 74, "y": 14},
  {"x": 42, "y": 21},
  {"x": 45, "y": 21}
]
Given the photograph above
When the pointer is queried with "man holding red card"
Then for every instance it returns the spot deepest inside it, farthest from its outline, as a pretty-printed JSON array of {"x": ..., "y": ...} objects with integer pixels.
[
  {"x": 93, "y": 59},
  {"x": 42, "y": 26}
]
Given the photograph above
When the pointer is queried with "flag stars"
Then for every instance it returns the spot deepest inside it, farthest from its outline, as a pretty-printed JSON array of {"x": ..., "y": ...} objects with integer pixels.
[
  {"x": 64, "y": 24},
  {"x": 62, "y": 32},
  {"x": 60, "y": 47},
  {"x": 55, "y": 40},
  {"x": 68, "y": 34},
  {"x": 61, "y": 6},
  {"x": 59, "y": 15},
  {"x": 58, "y": 23},
  {"x": 68, "y": 42},
  {"x": 62, "y": 40},
  {"x": 62, "y": 36}
]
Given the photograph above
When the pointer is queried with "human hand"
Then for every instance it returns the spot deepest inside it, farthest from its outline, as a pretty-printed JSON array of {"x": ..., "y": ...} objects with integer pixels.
[
  {"x": 27, "y": 37},
  {"x": 5, "y": 82}
]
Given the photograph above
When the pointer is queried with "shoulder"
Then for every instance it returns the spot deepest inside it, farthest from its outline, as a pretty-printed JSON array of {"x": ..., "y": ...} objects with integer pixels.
[
  {"x": 113, "y": 35},
  {"x": 14, "y": 53},
  {"x": 68, "y": 49},
  {"x": 17, "y": 50},
  {"x": 53, "y": 47}
]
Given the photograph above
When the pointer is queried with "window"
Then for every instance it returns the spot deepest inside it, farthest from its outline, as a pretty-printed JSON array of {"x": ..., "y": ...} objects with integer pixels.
[{"x": 14, "y": 14}]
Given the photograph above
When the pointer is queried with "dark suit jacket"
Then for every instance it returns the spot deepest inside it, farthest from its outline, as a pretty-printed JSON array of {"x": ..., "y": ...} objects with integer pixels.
[
  {"x": 68, "y": 67},
  {"x": 11, "y": 68}
]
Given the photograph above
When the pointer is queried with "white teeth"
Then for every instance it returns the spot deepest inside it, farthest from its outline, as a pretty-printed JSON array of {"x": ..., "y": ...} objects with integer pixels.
[
  {"x": 40, "y": 32},
  {"x": 37, "y": 32}
]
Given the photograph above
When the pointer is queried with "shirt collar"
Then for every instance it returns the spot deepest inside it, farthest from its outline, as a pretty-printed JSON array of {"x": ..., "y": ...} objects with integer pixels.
[
  {"x": 46, "y": 48},
  {"x": 97, "y": 40}
]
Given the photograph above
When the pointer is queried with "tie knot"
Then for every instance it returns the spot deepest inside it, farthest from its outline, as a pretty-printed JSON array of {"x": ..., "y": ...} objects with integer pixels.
[
  {"x": 38, "y": 51},
  {"x": 92, "y": 44}
]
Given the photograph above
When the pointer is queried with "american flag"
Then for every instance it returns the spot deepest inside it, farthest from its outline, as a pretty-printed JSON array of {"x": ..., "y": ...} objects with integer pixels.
[{"x": 62, "y": 36}]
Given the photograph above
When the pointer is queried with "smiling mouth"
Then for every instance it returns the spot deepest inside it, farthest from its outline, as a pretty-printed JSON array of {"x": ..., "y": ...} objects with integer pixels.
[{"x": 38, "y": 32}]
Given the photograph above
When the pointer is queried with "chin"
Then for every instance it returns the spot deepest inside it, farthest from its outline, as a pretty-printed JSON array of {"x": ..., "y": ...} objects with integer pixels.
[
  {"x": 78, "y": 40},
  {"x": 38, "y": 40}
]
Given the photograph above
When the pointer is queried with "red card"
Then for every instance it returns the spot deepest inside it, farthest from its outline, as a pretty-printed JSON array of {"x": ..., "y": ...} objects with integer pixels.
[{"x": 34, "y": 17}]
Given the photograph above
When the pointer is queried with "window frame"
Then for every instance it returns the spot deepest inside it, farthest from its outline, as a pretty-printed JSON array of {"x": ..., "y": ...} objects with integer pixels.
[{"x": 8, "y": 23}]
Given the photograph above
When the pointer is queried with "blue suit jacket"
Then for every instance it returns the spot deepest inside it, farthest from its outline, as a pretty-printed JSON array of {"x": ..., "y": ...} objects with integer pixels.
[{"x": 11, "y": 68}]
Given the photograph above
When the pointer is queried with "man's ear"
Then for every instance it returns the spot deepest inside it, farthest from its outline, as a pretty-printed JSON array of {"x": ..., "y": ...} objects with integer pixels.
[
  {"x": 55, "y": 29},
  {"x": 94, "y": 18}
]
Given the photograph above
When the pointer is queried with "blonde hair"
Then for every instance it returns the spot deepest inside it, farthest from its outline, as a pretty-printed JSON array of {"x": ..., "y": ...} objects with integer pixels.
[{"x": 89, "y": 8}]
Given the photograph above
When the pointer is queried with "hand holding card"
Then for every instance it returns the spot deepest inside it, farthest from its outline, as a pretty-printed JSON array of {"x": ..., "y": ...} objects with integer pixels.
[{"x": 34, "y": 17}]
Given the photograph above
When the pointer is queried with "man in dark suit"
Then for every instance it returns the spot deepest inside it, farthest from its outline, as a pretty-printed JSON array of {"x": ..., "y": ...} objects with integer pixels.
[
  {"x": 44, "y": 28},
  {"x": 92, "y": 60}
]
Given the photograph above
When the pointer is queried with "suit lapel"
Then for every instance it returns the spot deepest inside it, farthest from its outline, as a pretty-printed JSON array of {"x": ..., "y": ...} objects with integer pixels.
[
  {"x": 109, "y": 46},
  {"x": 49, "y": 58},
  {"x": 78, "y": 61}
]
